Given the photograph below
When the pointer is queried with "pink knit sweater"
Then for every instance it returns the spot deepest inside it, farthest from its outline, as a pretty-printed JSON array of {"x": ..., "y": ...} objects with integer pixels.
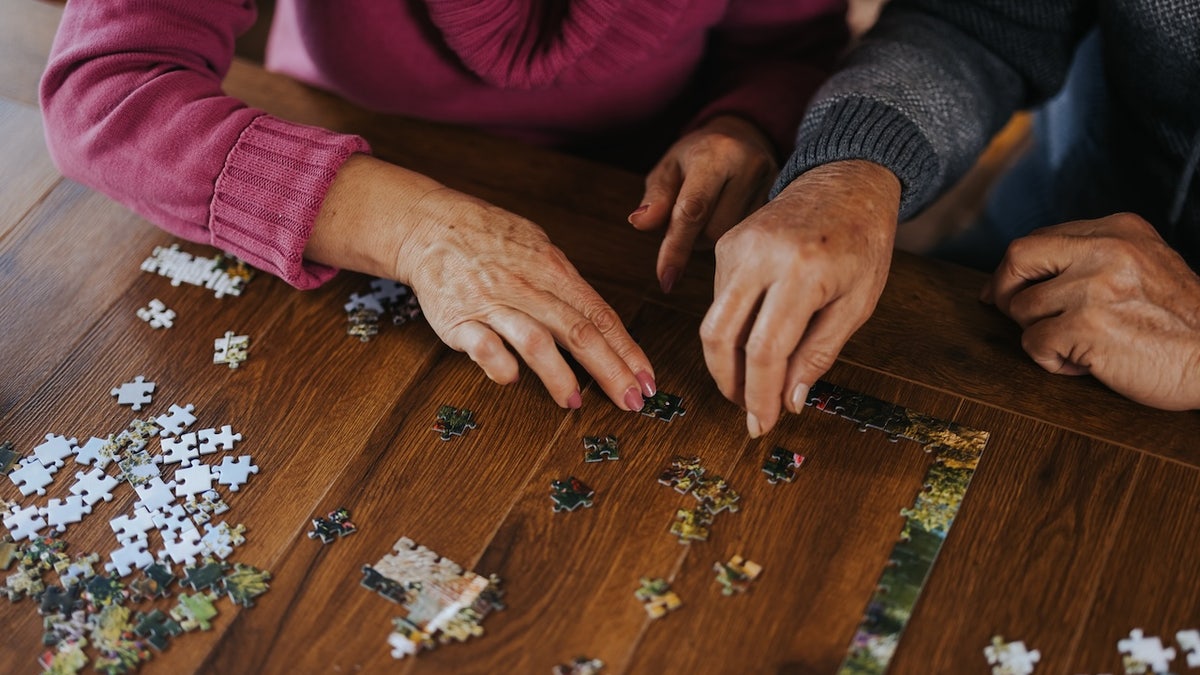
[{"x": 133, "y": 103}]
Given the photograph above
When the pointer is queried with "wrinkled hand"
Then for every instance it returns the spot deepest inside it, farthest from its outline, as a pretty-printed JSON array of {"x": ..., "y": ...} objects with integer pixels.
[
  {"x": 1107, "y": 297},
  {"x": 794, "y": 281},
  {"x": 705, "y": 183},
  {"x": 485, "y": 277}
]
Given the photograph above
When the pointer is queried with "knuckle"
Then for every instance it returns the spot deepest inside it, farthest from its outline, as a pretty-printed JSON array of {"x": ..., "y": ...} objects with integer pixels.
[
  {"x": 765, "y": 350},
  {"x": 692, "y": 209},
  {"x": 582, "y": 333},
  {"x": 816, "y": 360},
  {"x": 603, "y": 317}
]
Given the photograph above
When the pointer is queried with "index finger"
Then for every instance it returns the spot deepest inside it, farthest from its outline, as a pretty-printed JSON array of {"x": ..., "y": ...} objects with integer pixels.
[{"x": 1029, "y": 260}]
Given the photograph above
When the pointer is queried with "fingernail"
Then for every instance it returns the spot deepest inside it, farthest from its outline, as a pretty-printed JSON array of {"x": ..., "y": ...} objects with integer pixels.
[
  {"x": 647, "y": 382},
  {"x": 669, "y": 276},
  {"x": 799, "y": 397},
  {"x": 753, "y": 426},
  {"x": 575, "y": 401},
  {"x": 639, "y": 210},
  {"x": 633, "y": 399}
]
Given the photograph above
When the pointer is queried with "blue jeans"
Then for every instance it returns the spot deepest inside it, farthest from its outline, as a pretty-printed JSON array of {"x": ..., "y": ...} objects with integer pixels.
[{"x": 1066, "y": 175}]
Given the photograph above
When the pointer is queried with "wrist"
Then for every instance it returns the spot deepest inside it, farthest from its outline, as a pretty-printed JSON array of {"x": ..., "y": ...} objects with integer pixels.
[{"x": 368, "y": 216}]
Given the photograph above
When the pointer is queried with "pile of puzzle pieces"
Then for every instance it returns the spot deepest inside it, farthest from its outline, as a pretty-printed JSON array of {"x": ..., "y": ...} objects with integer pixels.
[
  {"x": 364, "y": 311},
  {"x": 87, "y": 605},
  {"x": 439, "y": 600},
  {"x": 224, "y": 275},
  {"x": 687, "y": 475}
]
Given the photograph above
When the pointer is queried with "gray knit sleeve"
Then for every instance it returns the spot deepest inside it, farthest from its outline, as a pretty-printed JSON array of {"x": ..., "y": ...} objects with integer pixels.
[{"x": 932, "y": 83}]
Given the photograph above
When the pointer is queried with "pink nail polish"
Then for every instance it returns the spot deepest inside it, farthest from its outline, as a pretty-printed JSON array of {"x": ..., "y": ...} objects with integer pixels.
[
  {"x": 633, "y": 399},
  {"x": 649, "y": 388},
  {"x": 670, "y": 275},
  {"x": 639, "y": 210},
  {"x": 575, "y": 401}
]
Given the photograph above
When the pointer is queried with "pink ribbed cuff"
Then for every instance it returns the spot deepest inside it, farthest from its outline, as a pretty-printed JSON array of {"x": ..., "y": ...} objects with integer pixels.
[{"x": 269, "y": 192}]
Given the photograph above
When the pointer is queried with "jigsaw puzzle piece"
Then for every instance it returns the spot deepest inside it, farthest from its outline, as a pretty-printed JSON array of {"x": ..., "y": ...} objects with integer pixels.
[
  {"x": 212, "y": 440},
  {"x": 55, "y": 450},
  {"x": 62, "y": 512},
  {"x": 235, "y": 472},
  {"x": 133, "y": 554},
  {"x": 90, "y": 453},
  {"x": 24, "y": 523},
  {"x": 154, "y": 495},
  {"x": 182, "y": 547},
  {"x": 134, "y": 394},
  {"x": 180, "y": 449},
  {"x": 157, "y": 628},
  {"x": 31, "y": 476},
  {"x": 94, "y": 486},
  {"x": 136, "y": 526},
  {"x": 176, "y": 419},
  {"x": 194, "y": 479}
]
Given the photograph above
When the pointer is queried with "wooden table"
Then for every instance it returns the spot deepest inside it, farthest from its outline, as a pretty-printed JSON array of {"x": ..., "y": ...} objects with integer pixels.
[{"x": 1081, "y": 524}]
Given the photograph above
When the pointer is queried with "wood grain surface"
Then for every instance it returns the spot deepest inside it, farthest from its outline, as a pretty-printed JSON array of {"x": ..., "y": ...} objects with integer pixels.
[{"x": 1080, "y": 524}]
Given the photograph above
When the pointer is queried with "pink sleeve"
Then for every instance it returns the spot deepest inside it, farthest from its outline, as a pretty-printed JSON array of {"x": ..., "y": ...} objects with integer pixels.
[
  {"x": 768, "y": 58},
  {"x": 133, "y": 107}
]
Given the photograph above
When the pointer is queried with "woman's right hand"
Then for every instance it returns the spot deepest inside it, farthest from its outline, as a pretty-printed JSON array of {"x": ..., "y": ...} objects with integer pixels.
[{"x": 485, "y": 277}]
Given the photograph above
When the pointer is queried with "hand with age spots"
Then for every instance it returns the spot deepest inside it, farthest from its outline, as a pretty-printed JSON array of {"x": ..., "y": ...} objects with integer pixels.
[
  {"x": 488, "y": 280},
  {"x": 794, "y": 281},
  {"x": 705, "y": 183},
  {"x": 1107, "y": 297}
]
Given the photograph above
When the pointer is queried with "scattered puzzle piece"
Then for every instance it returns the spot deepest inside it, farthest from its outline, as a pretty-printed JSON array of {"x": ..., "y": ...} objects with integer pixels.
[
  {"x": 715, "y": 495},
  {"x": 94, "y": 486},
  {"x": 132, "y": 554},
  {"x": 24, "y": 523},
  {"x": 157, "y": 628},
  {"x": 220, "y": 540},
  {"x": 155, "y": 582},
  {"x": 657, "y": 597},
  {"x": 235, "y": 472},
  {"x": 194, "y": 479},
  {"x": 55, "y": 450},
  {"x": 580, "y": 665},
  {"x": 205, "y": 577},
  {"x": 600, "y": 448},
  {"x": 664, "y": 406},
  {"x": 62, "y": 512},
  {"x": 90, "y": 453},
  {"x": 570, "y": 494},
  {"x": 231, "y": 349},
  {"x": 194, "y": 611},
  {"x": 24, "y": 582},
  {"x": 453, "y": 421},
  {"x": 212, "y": 440},
  {"x": 244, "y": 584},
  {"x": 691, "y": 525},
  {"x": 182, "y": 547},
  {"x": 682, "y": 473},
  {"x": 735, "y": 576},
  {"x": 1189, "y": 642},
  {"x": 1146, "y": 650},
  {"x": 1010, "y": 658},
  {"x": 31, "y": 477},
  {"x": 157, "y": 315},
  {"x": 134, "y": 394},
  {"x": 180, "y": 449},
  {"x": 781, "y": 465},
  {"x": 101, "y": 591},
  {"x": 8, "y": 457},
  {"x": 176, "y": 420},
  {"x": 335, "y": 525}
]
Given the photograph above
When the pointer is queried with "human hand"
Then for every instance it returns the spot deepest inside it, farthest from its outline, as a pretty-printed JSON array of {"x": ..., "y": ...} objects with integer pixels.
[
  {"x": 705, "y": 183},
  {"x": 1107, "y": 297},
  {"x": 484, "y": 276},
  {"x": 793, "y": 283}
]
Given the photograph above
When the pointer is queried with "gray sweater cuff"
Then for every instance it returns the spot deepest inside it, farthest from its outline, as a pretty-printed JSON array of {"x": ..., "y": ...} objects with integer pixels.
[{"x": 861, "y": 128}]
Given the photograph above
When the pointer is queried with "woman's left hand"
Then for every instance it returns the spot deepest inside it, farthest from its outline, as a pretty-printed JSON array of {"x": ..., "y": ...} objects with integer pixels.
[{"x": 706, "y": 183}]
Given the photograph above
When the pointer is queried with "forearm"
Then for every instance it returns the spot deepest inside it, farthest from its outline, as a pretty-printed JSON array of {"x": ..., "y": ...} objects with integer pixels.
[
  {"x": 132, "y": 114},
  {"x": 925, "y": 90}
]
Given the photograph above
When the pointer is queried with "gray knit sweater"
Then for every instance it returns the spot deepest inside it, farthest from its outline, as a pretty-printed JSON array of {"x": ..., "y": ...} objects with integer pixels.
[{"x": 935, "y": 79}]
